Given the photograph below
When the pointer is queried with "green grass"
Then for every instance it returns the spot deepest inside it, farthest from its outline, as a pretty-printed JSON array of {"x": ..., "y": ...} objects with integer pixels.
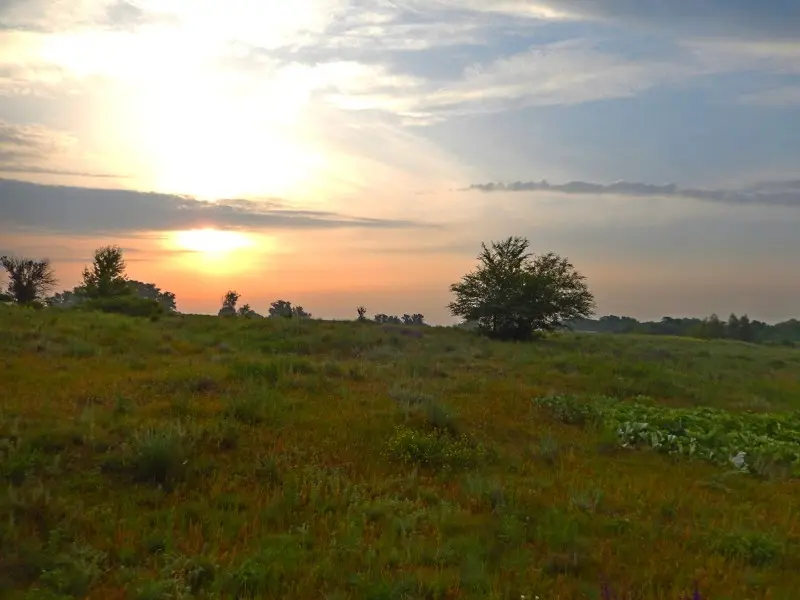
[{"x": 198, "y": 457}]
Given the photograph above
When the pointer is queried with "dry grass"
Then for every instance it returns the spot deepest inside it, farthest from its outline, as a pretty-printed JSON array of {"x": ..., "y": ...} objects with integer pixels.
[{"x": 224, "y": 458}]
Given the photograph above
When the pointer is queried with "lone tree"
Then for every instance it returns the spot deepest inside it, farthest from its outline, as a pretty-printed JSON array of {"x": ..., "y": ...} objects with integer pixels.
[
  {"x": 106, "y": 278},
  {"x": 28, "y": 280},
  {"x": 513, "y": 294}
]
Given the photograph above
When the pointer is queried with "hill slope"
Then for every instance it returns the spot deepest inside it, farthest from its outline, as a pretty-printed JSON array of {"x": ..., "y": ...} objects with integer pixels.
[{"x": 224, "y": 458}]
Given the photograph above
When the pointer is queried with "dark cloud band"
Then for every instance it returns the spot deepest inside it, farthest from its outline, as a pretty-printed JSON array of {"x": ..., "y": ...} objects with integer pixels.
[
  {"x": 78, "y": 210},
  {"x": 770, "y": 193}
]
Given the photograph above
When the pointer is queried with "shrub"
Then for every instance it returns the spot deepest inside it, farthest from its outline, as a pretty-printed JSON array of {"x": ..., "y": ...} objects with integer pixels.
[
  {"x": 159, "y": 455},
  {"x": 73, "y": 573},
  {"x": 441, "y": 417},
  {"x": 570, "y": 410},
  {"x": 435, "y": 450},
  {"x": 125, "y": 305},
  {"x": 756, "y": 549},
  {"x": 247, "y": 409}
]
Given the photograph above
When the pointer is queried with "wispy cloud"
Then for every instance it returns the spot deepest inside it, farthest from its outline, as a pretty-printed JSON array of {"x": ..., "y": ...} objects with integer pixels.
[
  {"x": 777, "y": 97},
  {"x": 771, "y": 193},
  {"x": 37, "y": 149},
  {"x": 126, "y": 15},
  {"x": 76, "y": 210},
  {"x": 770, "y": 20}
]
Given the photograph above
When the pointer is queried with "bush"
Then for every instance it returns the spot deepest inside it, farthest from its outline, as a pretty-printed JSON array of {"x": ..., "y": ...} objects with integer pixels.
[
  {"x": 126, "y": 305},
  {"x": 159, "y": 456},
  {"x": 435, "y": 450},
  {"x": 571, "y": 410}
]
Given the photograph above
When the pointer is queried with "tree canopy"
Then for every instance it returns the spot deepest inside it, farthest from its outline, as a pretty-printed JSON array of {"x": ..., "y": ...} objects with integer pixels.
[
  {"x": 513, "y": 294},
  {"x": 28, "y": 280},
  {"x": 106, "y": 278},
  {"x": 152, "y": 292}
]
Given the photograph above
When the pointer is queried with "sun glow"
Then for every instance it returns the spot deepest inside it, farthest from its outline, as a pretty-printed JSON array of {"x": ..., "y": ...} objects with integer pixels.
[
  {"x": 210, "y": 241},
  {"x": 214, "y": 251}
]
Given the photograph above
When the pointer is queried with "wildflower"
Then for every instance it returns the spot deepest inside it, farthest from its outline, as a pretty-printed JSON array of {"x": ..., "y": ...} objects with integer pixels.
[{"x": 738, "y": 461}]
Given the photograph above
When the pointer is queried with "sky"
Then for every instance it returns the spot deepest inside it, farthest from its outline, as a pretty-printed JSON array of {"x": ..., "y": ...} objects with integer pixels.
[{"x": 337, "y": 153}]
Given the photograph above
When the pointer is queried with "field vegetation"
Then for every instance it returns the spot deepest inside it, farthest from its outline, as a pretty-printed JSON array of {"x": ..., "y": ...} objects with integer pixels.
[{"x": 187, "y": 456}]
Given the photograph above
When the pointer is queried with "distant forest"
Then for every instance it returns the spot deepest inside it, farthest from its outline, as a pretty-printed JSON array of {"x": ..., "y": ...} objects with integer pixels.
[{"x": 735, "y": 328}]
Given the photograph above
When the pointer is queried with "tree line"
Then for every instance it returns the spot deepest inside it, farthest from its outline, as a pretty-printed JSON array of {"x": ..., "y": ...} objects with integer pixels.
[
  {"x": 511, "y": 295},
  {"x": 740, "y": 328},
  {"x": 106, "y": 287}
]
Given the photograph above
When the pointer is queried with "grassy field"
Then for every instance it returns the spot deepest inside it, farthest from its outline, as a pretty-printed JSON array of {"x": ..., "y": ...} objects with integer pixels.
[{"x": 233, "y": 458}]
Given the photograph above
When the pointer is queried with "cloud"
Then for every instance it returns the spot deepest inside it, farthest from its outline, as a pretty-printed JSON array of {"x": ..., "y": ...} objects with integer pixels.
[
  {"x": 425, "y": 61},
  {"x": 561, "y": 73},
  {"x": 744, "y": 18},
  {"x": 37, "y": 149},
  {"x": 731, "y": 55},
  {"x": 32, "y": 79},
  {"x": 126, "y": 16},
  {"x": 776, "y": 97},
  {"x": 771, "y": 193},
  {"x": 44, "y": 16},
  {"x": 77, "y": 210}
]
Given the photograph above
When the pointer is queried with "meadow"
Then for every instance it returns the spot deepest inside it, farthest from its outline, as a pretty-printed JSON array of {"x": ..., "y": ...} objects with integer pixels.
[{"x": 207, "y": 457}]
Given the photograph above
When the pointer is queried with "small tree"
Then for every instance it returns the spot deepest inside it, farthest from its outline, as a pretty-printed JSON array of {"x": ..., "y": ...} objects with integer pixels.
[
  {"x": 247, "y": 311},
  {"x": 229, "y": 301},
  {"x": 65, "y": 299},
  {"x": 281, "y": 308},
  {"x": 387, "y": 319},
  {"x": 29, "y": 280},
  {"x": 298, "y": 312},
  {"x": 362, "y": 313},
  {"x": 415, "y": 319},
  {"x": 743, "y": 330},
  {"x": 106, "y": 278},
  {"x": 513, "y": 294}
]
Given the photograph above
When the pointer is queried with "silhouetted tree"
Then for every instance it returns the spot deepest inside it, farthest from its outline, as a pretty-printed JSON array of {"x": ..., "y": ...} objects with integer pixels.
[
  {"x": 415, "y": 319},
  {"x": 106, "y": 278},
  {"x": 281, "y": 308},
  {"x": 284, "y": 309},
  {"x": 362, "y": 313},
  {"x": 745, "y": 331},
  {"x": 229, "y": 301},
  {"x": 247, "y": 311},
  {"x": 386, "y": 319},
  {"x": 65, "y": 299},
  {"x": 28, "y": 280},
  {"x": 298, "y": 312},
  {"x": 511, "y": 295},
  {"x": 152, "y": 292},
  {"x": 732, "y": 327}
]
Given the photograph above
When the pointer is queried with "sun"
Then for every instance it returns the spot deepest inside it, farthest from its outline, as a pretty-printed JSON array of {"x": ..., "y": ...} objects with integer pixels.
[
  {"x": 214, "y": 251},
  {"x": 210, "y": 241}
]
